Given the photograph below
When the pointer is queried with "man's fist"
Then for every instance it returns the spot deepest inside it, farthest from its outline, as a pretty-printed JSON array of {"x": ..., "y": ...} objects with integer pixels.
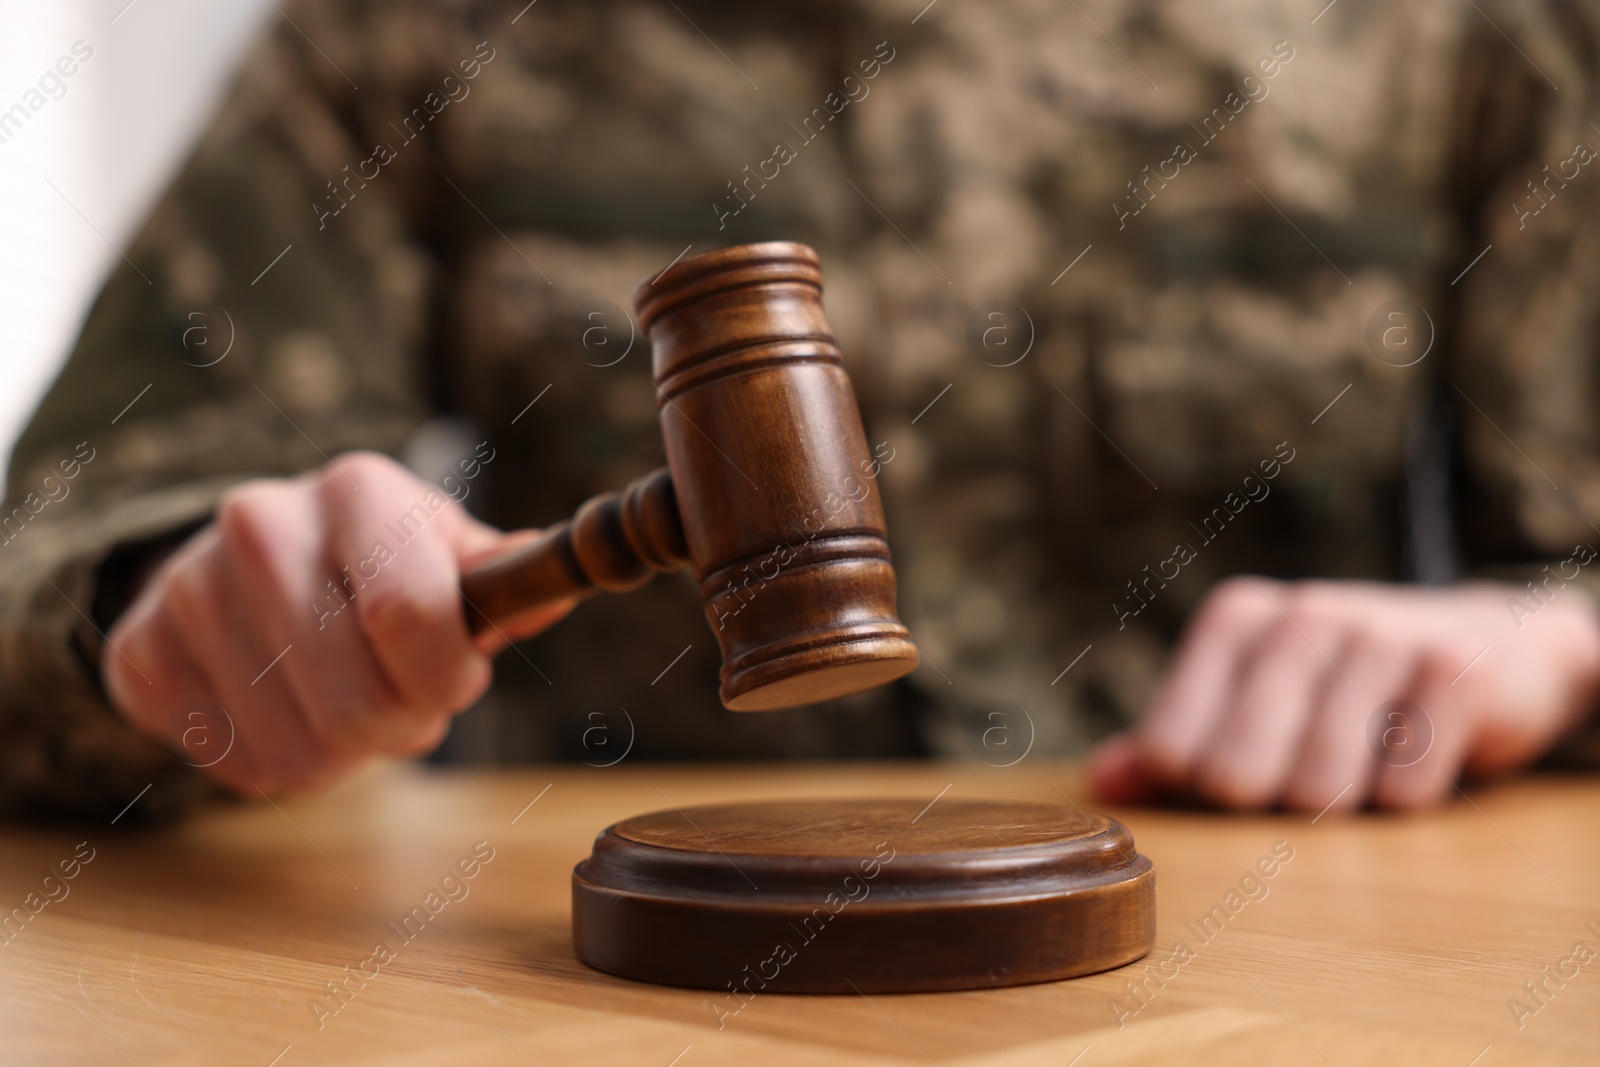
[
  {"x": 1280, "y": 693},
  {"x": 314, "y": 622}
]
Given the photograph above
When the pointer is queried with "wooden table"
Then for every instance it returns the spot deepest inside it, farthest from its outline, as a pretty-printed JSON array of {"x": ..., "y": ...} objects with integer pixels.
[{"x": 1383, "y": 940}]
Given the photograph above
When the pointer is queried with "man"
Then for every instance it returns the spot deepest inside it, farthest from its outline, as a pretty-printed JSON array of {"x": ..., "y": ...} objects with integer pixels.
[{"x": 1135, "y": 300}]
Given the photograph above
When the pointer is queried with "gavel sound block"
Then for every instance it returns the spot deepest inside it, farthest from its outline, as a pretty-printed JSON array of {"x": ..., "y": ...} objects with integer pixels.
[
  {"x": 769, "y": 491},
  {"x": 879, "y": 895}
]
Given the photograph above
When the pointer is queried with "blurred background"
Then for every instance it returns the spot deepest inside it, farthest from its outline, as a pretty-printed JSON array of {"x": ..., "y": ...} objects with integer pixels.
[
  {"x": 79, "y": 176},
  {"x": 1138, "y": 297}
]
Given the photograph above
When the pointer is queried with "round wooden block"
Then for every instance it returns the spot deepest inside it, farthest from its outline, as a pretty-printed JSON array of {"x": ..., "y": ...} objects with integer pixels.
[{"x": 872, "y": 895}]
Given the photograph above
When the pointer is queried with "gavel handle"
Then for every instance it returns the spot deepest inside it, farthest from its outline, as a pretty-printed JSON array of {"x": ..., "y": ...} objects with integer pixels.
[{"x": 615, "y": 541}]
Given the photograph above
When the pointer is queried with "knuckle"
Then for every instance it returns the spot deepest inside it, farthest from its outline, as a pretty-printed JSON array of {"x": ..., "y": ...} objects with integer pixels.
[
  {"x": 1308, "y": 606},
  {"x": 1233, "y": 605},
  {"x": 363, "y": 468},
  {"x": 1365, "y": 652},
  {"x": 248, "y": 518},
  {"x": 1284, "y": 639},
  {"x": 1440, "y": 664},
  {"x": 394, "y": 610}
]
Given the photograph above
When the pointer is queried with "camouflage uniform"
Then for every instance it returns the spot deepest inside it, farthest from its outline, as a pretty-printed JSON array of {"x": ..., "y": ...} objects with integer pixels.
[{"x": 1096, "y": 271}]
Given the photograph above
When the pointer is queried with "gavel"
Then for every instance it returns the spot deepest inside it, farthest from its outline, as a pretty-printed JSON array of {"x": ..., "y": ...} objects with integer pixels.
[{"x": 769, "y": 492}]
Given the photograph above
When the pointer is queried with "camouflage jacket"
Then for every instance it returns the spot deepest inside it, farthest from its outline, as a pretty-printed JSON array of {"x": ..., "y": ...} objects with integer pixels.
[{"x": 1134, "y": 296}]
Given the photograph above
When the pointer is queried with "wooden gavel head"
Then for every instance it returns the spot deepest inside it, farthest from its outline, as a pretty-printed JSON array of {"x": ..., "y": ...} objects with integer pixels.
[{"x": 770, "y": 492}]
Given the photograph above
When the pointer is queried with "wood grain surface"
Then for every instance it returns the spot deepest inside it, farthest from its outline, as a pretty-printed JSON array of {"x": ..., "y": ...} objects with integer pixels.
[{"x": 1279, "y": 941}]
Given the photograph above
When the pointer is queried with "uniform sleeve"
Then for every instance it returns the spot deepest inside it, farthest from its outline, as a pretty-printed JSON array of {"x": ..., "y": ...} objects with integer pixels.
[
  {"x": 272, "y": 314},
  {"x": 1523, "y": 373}
]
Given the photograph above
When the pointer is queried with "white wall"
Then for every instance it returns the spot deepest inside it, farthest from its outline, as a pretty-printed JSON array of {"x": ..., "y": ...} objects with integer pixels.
[{"x": 108, "y": 145}]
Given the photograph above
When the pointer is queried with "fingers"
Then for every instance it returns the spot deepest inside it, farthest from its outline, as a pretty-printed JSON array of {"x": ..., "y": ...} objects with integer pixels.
[
  {"x": 237, "y": 670},
  {"x": 1333, "y": 768},
  {"x": 1438, "y": 733},
  {"x": 396, "y": 542},
  {"x": 273, "y": 547},
  {"x": 1250, "y": 754},
  {"x": 1198, "y": 687},
  {"x": 152, "y": 680},
  {"x": 1252, "y": 713},
  {"x": 1284, "y": 680},
  {"x": 320, "y": 616}
]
